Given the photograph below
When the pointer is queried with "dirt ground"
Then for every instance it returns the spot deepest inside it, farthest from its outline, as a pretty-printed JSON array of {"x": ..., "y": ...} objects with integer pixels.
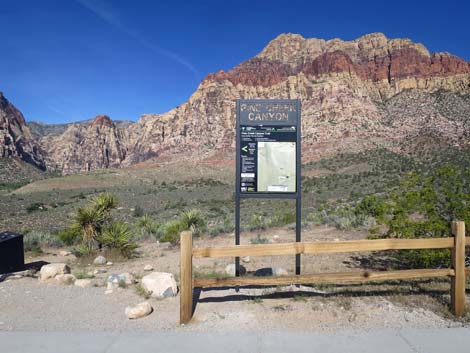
[{"x": 27, "y": 304}]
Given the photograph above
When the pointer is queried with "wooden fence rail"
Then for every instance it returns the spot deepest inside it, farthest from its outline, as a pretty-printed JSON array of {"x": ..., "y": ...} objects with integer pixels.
[{"x": 457, "y": 273}]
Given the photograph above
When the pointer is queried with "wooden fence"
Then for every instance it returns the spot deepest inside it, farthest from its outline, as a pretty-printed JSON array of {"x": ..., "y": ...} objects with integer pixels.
[{"x": 457, "y": 273}]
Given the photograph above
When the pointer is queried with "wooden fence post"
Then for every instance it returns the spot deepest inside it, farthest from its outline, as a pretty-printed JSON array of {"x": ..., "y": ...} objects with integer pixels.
[
  {"x": 186, "y": 277},
  {"x": 458, "y": 263}
]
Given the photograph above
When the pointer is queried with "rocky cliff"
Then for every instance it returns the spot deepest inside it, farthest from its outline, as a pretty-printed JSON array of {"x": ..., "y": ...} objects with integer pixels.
[
  {"x": 84, "y": 147},
  {"x": 345, "y": 88},
  {"x": 16, "y": 140}
]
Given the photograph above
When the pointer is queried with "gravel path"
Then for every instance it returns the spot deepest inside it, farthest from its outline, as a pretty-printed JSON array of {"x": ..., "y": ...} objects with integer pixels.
[{"x": 27, "y": 304}]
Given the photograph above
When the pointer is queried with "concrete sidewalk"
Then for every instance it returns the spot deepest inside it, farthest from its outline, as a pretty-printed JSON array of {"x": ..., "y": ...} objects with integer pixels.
[{"x": 396, "y": 341}]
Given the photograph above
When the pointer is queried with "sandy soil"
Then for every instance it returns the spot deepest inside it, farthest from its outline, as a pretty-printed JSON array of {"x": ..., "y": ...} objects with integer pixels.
[{"x": 27, "y": 304}]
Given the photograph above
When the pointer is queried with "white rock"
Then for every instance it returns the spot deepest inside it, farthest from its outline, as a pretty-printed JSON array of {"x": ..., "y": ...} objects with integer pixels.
[
  {"x": 138, "y": 311},
  {"x": 230, "y": 270},
  {"x": 84, "y": 283},
  {"x": 65, "y": 278},
  {"x": 99, "y": 271},
  {"x": 64, "y": 253},
  {"x": 99, "y": 260},
  {"x": 127, "y": 278},
  {"x": 277, "y": 271},
  {"x": 52, "y": 270},
  {"x": 160, "y": 284},
  {"x": 246, "y": 259},
  {"x": 148, "y": 268},
  {"x": 109, "y": 263},
  {"x": 276, "y": 237}
]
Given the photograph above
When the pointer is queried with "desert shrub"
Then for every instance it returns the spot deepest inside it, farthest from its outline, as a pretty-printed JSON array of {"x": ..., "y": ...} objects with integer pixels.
[
  {"x": 372, "y": 206},
  {"x": 149, "y": 227},
  {"x": 281, "y": 219},
  {"x": 172, "y": 230},
  {"x": 259, "y": 240},
  {"x": 118, "y": 235},
  {"x": 193, "y": 220},
  {"x": 34, "y": 240},
  {"x": 138, "y": 211},
  {"x": 257, "y": 222},
  {"x": 69, "y": 235},
  {"x": 423, "y": 207},
  {"x": 35, "y": 206},
  {"x": 81, "y": 250}
]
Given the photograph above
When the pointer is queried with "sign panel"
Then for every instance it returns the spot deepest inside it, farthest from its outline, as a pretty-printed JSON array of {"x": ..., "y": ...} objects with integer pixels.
[{"x": 269, "y": 154}]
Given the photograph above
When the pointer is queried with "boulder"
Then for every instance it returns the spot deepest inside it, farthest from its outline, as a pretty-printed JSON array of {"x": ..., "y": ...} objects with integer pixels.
[
  {"x": 148, "y": 268},
  {"x": 84, "y": 283},
  {"x": 230, "y": 270},
  {"x": 246, "y": 259},
  {"x": 160, "y": 284},
  {"x": 52, "y": 270},
  {"x": 99, "y": 260},
  {"x": 65, "y": 278},
  {"x": 120, "y": 280},
  {"x": 270, "y": 271},
  {"x": 138, "y": 311},
  {"x": 109, "y": 263}
]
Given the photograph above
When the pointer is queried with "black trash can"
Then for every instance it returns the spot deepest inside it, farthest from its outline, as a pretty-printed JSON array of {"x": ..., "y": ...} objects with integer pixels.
[{"x": 11, "y": 252}]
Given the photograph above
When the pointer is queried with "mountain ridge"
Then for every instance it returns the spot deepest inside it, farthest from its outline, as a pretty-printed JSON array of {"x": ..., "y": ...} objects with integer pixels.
[{"x": 350, "y": 91}]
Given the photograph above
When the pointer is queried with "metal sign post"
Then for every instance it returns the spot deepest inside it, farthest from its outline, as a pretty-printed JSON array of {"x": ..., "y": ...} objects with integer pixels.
[{"x": 268, "y": 157}]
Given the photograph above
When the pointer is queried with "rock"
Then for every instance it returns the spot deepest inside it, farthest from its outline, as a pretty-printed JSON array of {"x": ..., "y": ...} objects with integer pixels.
[
  {"x": 246, "y": 259},
  {"x": 138, "y": 311},
  {"x": 120, "y": 280},
  {"x": 270, "y": 271},
  {"x": 65, "y": 279},
  {"x": 99, "y": 271},
  {"x": 109, "y": 263},
  {"x": 52, "y": 270},
  {"x": 276, "y": 237},
  {"x": 160, "y": 284},
  {"x": 127, "y": 278},
  {"x": 148, "y": 268},
  {"x": 64, "y": 253},
  {"x": 99, "y": 260},
  {"x": 230, "y": 270},
  {"x": 84, "y": 283}
]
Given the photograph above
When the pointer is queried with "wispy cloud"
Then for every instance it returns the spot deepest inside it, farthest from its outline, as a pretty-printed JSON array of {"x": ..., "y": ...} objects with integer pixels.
[
  {"x": 107, "y": 13},
  {"x": 56, "y": 110}
]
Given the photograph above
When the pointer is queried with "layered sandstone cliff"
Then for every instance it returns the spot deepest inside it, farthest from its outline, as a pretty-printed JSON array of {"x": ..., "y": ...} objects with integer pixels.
[
  {"x": 16, "y": 139},
  {"x": 344, "y": 88},
  {"x": 84, "y": 147}
]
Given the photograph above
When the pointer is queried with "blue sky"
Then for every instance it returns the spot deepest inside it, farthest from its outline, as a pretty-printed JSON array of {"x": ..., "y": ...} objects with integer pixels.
[{"x": 69, "y": 60}]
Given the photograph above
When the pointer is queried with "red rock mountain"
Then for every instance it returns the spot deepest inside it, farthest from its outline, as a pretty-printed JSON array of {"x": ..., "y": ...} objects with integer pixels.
[
  {"x": 367, "y": 93},
  {"x": 15, "y": 137}
]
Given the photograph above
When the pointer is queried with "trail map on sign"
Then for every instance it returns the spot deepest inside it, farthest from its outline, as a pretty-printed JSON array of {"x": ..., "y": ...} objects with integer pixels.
[
  {"x": 276, "y": 166},
  {"x": 268, "y": 159}
]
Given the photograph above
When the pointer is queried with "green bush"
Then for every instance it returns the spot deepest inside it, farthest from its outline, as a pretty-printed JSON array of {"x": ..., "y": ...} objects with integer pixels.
[
  {"x": 34, "y": 240},
  {"x": 193, "y": 220},
  {"x": 259, "y": 240},
  {"x": 35, "y": 206},
  {"x": 257, "y": 222},
  {"x": 172, "y": 230},
  {"x": 69, "y": 236},
  {"x": 118, "y": 236},
  {"x": 138, "y": 211}
]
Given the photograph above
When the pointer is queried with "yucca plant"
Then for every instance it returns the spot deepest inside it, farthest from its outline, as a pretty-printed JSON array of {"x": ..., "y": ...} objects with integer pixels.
[
  {"x": 193, "y": 220},
  {"x": 90, "y": 221},
  {"x": 118, "y": 236}
]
